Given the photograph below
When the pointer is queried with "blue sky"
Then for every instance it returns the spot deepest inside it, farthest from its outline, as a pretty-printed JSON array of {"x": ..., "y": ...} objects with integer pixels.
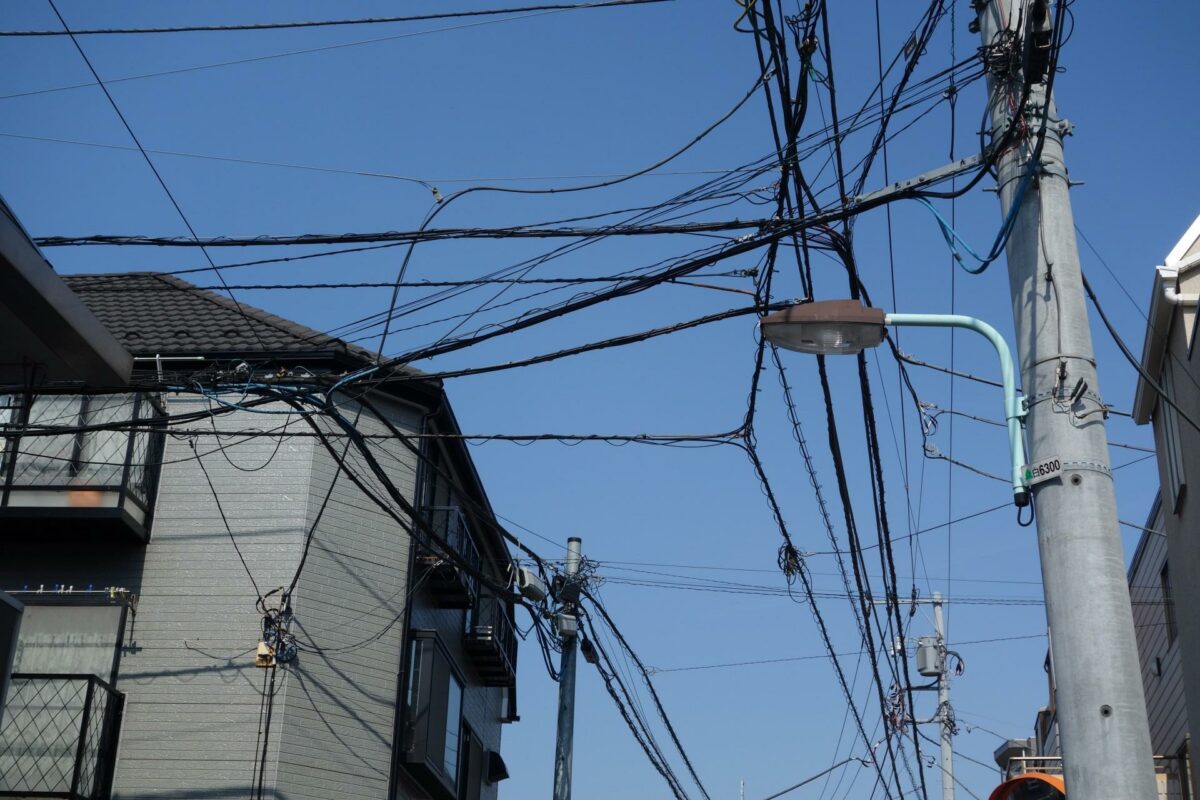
[{"x": 547, "y": 97}]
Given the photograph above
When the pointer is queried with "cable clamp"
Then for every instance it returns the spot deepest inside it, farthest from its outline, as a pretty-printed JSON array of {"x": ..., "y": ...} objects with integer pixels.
[
  {"x": 1054, "y": 169},
  {"x": 1061, "y": 356},
  {"x": 1093, "y": 466},
  {"x": 1059, "y": 396}
]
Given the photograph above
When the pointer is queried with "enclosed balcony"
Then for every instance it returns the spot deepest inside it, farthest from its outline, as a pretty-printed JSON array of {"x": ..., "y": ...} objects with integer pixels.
[
  {"x": 85, "y": 464},
  {"x": 58, "y": 737},
  {"x": 491, "y": 641},
  {"x": 443, "y": 578}
]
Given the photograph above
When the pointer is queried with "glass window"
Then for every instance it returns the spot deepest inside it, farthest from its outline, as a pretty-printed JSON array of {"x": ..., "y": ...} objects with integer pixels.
[
  {"x": 453, "y": 728},
  {"x": 432, "y": 747},
  {"x": 413, "y": 699},
  {"x": 1168, "y": 600},
  {"x": 69, "y": 638},
  {"x": 1172, "y": 447}
]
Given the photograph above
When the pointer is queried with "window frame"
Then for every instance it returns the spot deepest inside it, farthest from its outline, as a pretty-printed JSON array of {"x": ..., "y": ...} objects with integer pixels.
[
  {"x": 1168, "y": 601},
  {"x": 90, "y": 599},
  {"x": 1172, "y": 445},
  {"x": 471, "y": 773},
  {"x": 431, "y": 676}
]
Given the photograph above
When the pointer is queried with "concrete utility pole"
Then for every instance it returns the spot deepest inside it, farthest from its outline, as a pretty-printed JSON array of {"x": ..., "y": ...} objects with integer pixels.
[
  {"x": 568, "y": 629},
  {"x": 945, "y": 718},
  {"x": 1101, "y": 706},
  {"x": 931, "y": 662}
]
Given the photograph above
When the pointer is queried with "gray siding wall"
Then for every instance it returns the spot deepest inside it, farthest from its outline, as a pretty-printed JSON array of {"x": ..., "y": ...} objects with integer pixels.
[
  {"x": 341, "y": 703},
  {"x": 1183, "y": 526},
  {"x": 1162, "y": 667},
  {"x": 194, "y": 695}
]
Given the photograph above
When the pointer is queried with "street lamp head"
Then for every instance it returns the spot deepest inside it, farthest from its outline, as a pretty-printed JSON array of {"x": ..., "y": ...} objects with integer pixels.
[{"x": 828, "y": 327}]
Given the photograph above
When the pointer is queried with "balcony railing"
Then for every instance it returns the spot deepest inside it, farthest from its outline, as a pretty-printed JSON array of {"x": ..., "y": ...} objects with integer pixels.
[
  {"x": 59, "y": 737},
  {"x": 447, "y": 582},
  {"x": 492, "y": 642},
  {"x": 104, "y": 472},
  {"x": 1167, "y": 768}
]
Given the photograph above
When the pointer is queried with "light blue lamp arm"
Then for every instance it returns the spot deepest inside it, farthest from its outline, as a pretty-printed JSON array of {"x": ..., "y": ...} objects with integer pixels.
[{"x": 1013, "y": 412}]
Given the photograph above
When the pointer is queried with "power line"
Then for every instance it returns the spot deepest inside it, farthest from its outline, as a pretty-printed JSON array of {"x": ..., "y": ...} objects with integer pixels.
[
  {"x": 790, "y": 659},
  {"x": 264, "y": 26},
  {"x": 225, "y": 522},
  {"x": 1133, "y": 360},
  {"x": 90, "y": 288},
  {"x": 650, "y": 685},
  {"x": 150, "y": 163},
  {"x": 410, "y": 237},
  {"x": 272, "y": 56},
  {"x": 428, "y": 183},
  {"x": 820, "y": 774}
]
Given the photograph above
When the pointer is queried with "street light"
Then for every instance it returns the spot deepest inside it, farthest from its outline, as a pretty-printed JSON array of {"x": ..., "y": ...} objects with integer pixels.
[{"x": 847, "y": 327}]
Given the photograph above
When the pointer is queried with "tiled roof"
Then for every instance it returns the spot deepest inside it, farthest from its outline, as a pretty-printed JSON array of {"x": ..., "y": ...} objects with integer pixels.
[{"x": 156, "y": 314}]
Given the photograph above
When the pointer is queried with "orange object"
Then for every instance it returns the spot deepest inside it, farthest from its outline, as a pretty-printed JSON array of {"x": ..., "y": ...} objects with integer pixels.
[{"x": 1031, "y": 786}]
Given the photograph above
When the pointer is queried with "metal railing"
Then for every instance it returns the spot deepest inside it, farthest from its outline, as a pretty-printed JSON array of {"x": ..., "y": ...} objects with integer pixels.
[
  {"x": 1020, "y": 765},
  {"x": 490, "y": 630},
  {"x": 94, "y": 458},
  {"x": 1168, "y": 768},
  {"x": 59, "y": 736},
  {"x": 450, "y": 524}
]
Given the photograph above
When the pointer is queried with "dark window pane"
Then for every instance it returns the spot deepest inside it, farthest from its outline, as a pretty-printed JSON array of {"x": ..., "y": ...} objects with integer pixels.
[
  {"x": 453, "y": 728},
  {"x": 1168, "y": 597}
]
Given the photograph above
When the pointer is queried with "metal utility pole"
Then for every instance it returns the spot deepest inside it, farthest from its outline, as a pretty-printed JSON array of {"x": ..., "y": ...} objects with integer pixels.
[
  {"x": 1101, "y": 707},
  {"x": 568, "y": 629}
]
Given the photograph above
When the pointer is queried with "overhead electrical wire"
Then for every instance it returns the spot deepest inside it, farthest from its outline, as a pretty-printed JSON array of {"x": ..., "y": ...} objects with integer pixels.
[
  {"x": 801, "y": 229},
  {"x": 272, "y": 56},
  {"x": 1134, "y": 361},
  {"x": 263, "y": 26},
  {"x": 604, "y": 615},
  {"x": 150, "y": 163}
]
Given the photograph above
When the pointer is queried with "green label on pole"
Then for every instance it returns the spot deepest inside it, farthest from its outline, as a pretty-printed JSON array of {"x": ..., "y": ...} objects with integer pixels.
[{"x": 1043, "y": 470}]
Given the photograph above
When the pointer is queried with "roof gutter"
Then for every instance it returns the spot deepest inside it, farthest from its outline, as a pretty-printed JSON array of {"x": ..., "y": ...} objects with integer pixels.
[{"x": 1165, "y": 297}]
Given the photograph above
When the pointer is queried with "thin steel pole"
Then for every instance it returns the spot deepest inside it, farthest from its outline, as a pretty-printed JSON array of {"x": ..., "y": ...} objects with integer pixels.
[
  {"x": 1100, "y": 701},
  {"x": 564, "y": 746}
]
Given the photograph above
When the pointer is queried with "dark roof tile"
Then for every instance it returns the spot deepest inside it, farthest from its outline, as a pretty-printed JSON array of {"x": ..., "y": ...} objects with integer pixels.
[{"x": 158, "y": 314}]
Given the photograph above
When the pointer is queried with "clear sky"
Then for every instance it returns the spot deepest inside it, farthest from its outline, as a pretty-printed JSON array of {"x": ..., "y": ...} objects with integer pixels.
[{"x": 537, "y": 101}]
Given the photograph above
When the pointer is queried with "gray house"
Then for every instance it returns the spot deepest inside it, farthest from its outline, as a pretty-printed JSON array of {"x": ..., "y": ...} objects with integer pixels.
[{"x": 146, "y": 556}]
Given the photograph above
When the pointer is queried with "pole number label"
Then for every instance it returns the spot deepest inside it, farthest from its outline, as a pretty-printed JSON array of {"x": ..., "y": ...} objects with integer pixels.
[{"x": 1043, "y": 470}]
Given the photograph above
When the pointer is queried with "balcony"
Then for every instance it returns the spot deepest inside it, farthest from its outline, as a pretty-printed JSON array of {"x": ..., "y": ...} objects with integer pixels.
[
  {"x": 1171, "y": 772},
  {"x": 59, "y": 737},
  {"x": 491, "y": 642},
  {"x": 447, "y": 583},
  {"x": 90, "y": 480}
]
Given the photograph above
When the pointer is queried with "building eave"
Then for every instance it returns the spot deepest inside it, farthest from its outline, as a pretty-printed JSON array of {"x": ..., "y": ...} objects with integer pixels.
[
  {"x": 1158, "y": 328},
  {"x": 46, "y": 332},
  {"x": 1182, "y": 261}
]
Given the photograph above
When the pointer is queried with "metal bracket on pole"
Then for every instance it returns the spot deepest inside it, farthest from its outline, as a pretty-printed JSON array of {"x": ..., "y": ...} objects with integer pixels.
[{"x": 924, "y": 179}]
